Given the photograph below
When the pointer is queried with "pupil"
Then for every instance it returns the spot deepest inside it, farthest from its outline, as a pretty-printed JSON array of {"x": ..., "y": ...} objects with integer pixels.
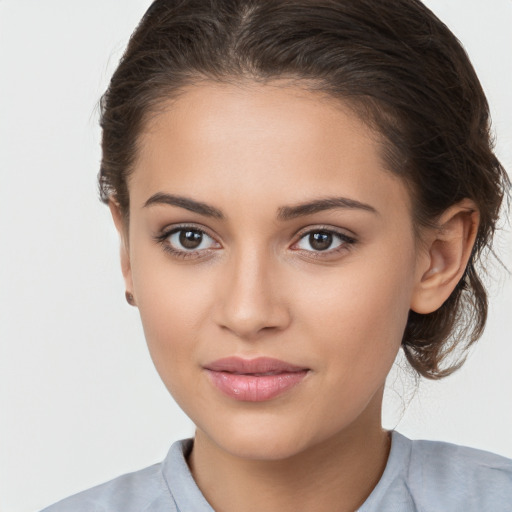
[
  {"x": 190, "y": 239},
  {"x": 320, "y": 240}
]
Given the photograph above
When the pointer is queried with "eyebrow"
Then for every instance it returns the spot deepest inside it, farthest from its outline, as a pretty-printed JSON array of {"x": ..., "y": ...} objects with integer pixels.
[{"x": 284, "y": 213}]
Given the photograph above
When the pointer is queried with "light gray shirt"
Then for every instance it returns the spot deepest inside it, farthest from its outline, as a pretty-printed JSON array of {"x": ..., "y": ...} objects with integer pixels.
[{"x": 420, "y": 476}]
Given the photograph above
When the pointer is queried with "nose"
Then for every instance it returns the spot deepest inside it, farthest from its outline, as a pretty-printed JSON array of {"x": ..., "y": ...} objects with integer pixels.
[{"x": 251, "y": 299}]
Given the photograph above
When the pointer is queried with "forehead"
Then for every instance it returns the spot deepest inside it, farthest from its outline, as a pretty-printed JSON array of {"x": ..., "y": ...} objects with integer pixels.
[
  {"x": 257, "y": 141},
  {"x": 216, "y": 115}
]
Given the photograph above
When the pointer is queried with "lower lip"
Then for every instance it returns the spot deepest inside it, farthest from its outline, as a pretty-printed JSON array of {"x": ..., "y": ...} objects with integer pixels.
[{"x": 255, "y": 388}]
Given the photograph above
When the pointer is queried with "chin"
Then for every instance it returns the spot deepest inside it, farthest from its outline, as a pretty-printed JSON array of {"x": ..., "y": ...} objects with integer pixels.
[
  {"x": 263, "y": 447},
  {"x": 261, "y": 440}
]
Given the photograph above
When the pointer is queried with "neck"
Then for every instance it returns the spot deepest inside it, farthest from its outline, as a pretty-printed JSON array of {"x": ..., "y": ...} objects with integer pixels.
[{"x": 337, "y": 474}]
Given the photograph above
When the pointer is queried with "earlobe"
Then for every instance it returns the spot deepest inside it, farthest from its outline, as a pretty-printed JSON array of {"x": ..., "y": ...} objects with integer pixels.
[
  {"x": 122, "y": 229},
  {"x": 447, "y": 254}
]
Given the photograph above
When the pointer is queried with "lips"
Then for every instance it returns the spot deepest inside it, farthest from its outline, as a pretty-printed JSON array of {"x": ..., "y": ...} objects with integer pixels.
[{"x": 254, "y": 380}]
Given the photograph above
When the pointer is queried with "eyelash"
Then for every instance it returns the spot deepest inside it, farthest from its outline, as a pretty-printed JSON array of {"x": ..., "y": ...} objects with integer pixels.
[{"x": 162, "y": 239}]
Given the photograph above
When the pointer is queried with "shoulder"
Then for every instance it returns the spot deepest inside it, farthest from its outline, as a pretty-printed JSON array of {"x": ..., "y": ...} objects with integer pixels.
[
  {"x": 447, "y": 476},
  {"x": 144, "y": 490}
]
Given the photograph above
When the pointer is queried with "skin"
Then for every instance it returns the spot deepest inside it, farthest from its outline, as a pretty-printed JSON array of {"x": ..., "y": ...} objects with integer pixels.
[{"x": 255, "y": 287}]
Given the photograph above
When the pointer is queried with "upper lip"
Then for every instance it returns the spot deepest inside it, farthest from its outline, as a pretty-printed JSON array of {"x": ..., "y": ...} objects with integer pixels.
[{"x": 259, "y": 365}]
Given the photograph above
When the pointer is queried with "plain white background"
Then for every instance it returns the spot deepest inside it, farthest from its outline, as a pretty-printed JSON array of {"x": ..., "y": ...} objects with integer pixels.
[{"x": 80, "y": 402}]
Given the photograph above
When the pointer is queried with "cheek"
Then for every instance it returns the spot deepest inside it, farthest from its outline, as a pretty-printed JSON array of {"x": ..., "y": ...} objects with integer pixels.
[
  {"x": 172, "y": 303},
  {"x": 358, "y": 320}
]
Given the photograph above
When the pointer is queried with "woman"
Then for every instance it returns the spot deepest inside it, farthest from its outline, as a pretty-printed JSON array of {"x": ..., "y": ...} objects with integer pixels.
[{"x": 301, "y": 189}]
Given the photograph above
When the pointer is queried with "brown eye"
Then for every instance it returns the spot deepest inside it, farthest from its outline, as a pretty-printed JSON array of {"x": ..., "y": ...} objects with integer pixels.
[
  {"x": 324, "y": 241},
  {"x": 190, "y": 239},
  {"x": 320, "y": 240}
]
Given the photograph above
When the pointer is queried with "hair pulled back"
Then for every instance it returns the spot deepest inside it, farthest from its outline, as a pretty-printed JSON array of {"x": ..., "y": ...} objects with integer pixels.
[{"x": 393, "y": 61}]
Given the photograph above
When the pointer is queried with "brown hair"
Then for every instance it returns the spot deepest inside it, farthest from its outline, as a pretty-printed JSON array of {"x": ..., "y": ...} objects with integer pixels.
[{"x": 393, "y": 61}]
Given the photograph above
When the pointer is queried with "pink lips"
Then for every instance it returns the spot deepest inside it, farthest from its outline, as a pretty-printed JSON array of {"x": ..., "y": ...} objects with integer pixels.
[{"x": 254, "y": 380}]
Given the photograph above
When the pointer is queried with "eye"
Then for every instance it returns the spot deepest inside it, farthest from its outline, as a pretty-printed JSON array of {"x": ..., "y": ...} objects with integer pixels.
[
  {"x": 324, "y": 241},
  {"x": 189, "y": 239},
  {"x": 185, "y": 241}
]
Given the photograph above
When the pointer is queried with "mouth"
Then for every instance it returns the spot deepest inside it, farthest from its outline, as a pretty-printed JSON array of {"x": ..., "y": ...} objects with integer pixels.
[{"x": 254, "y": 380}]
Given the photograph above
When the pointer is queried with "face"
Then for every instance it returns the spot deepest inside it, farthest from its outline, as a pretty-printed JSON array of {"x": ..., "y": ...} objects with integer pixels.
[{"x": 223, "y": 263}]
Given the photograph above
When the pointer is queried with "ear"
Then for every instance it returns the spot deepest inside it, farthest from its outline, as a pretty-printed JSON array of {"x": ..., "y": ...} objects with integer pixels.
[
  {"x": 448, "y": 249},
  {"x": 122, "y": 229}
]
